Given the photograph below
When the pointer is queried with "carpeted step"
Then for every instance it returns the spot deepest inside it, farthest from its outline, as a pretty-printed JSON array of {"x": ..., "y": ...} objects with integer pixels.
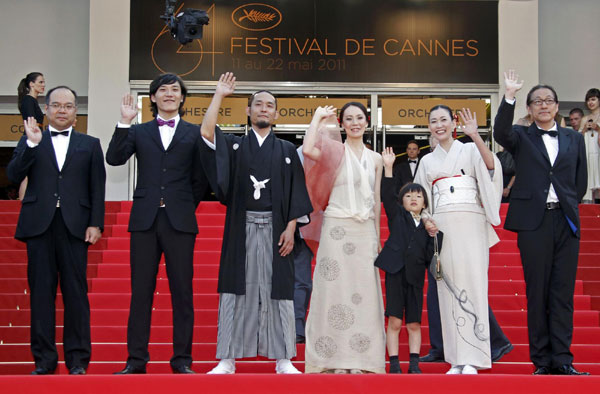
[
  {"x": 208, "y": 334},
  {"x": 108, "y": 270},
  {"x": 589, "y": 273},
  {"x": 584, "y": 318},
  {"x": 104, "y": 352},
  {"x": 336, "y": 383},
  {"x": 211, "y": 301},
  {"x": 123, "y": 285},
  {"x": 592, "y": 287}
]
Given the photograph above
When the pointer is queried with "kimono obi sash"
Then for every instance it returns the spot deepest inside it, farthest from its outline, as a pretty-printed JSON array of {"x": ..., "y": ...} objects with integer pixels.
[{"x": 461, "y": 189}]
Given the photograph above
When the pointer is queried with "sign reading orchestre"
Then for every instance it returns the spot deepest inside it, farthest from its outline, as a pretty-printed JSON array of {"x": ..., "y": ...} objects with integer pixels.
[
  {"x": 396, "y": 111},
  {"x": 233, "y": 110},
  {"x": 324, "y": 41}
]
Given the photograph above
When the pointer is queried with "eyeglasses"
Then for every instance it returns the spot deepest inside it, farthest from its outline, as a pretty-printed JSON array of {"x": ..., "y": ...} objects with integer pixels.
[
  {"x": 67, "y": 107},
  {"x": 548, "y": 101}
]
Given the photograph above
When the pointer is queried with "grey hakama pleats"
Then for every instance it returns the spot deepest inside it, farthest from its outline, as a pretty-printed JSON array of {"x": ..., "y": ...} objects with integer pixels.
[{"x": 254, "y": 324}]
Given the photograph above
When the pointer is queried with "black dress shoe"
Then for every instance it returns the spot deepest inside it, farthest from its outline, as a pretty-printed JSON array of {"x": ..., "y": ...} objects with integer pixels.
[
  {"x": 77, "y": 371},
  {"x": 542, "y": 371},
  {"x": 567, "y": 369},
  {"x": 128, "y": 370},
  {"x": 432, "y": 358},
  {"x": 497, "y": 354},
  {"x": 182, "y": 369},
  {"x": 300, "y": 339},
  {"x": 42, "y": 371}
]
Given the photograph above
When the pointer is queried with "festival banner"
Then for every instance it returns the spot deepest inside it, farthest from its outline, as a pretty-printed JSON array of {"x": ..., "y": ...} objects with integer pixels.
[{"x": 388, "y": 41}]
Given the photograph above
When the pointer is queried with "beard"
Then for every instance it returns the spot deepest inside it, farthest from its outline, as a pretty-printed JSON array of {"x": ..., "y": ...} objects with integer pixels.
[{"x": 263, "y": 124}]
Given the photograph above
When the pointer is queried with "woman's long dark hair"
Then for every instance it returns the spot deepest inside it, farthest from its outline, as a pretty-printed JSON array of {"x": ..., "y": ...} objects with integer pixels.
[{"x": 23, "y": 88}]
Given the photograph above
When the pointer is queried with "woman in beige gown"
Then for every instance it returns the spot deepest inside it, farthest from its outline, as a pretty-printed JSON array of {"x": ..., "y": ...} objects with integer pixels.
[{"x": 345, "y": 324}]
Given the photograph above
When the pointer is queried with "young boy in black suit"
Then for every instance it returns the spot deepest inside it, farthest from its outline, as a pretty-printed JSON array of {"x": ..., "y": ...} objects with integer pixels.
[{"x": 404, "y": 258}]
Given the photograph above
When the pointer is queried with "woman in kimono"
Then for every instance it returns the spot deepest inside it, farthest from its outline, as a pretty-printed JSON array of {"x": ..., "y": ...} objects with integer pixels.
[
  {"x": 345, "y": 324},
  {"x": 590, "y": 128},
  {"x": 464, "y": 184}
]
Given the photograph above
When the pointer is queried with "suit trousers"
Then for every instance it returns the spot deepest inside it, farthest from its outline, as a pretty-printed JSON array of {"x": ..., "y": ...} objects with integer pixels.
[
  {"x": 497, "y": 337},
  {"x": 302, "y": 283},
  {"x": 53, "y": 254},
  {"x": 147, "y": 247},
  {"x": 549, "y": 257}
]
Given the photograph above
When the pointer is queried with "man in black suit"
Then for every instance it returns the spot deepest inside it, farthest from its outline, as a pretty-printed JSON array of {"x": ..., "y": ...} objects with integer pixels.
[
  {"x": 170, "y": 184},
  {"x": 61, "y": 215},
  {"x": 405, "y": 171},
  {"x": 551, "y": 179}
]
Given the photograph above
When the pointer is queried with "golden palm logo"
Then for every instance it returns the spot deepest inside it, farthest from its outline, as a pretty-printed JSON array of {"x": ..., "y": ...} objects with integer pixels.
[{"x": 256, "y": 17}]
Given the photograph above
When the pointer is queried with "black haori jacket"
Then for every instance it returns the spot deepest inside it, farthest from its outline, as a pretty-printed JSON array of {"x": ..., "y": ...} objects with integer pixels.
[{"x": 228, "y": 172}]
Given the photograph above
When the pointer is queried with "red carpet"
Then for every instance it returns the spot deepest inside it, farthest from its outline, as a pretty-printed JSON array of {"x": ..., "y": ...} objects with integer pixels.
[{"x": 108, "y": 274}]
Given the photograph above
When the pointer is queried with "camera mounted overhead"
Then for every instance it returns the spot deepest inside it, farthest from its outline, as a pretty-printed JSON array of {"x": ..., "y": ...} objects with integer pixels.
[{"x": 187, "y": 25}]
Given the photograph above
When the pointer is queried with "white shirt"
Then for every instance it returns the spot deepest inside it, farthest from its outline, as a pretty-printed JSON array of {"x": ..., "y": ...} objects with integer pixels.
[
  {"x": 166, "y": 132},
  {"x": 551, "y": 144},
  {"x": 60, "y": 144},
  {"x": 413, "y": 166}
]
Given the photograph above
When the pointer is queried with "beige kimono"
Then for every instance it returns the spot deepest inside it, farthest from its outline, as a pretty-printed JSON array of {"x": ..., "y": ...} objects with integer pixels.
[{"x": 464, "y": 198}]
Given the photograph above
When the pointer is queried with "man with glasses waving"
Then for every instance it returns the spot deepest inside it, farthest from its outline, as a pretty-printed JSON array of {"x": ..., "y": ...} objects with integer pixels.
[
  {"x": 551, "y": 179},
  {"x": 61, "y": 215}
]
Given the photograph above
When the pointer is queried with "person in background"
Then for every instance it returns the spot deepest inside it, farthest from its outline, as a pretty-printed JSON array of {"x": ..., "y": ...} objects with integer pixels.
[
  {"x": 508, "y": 172},
  {"x": 590, "y": 128},
  {"x": 28, "y": 91},
  {"x": 405, "y": 171},
  {"x": 575, "y": 116}
]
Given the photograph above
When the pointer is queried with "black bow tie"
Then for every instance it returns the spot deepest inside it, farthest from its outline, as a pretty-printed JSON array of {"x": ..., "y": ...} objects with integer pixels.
[
  {"x": 55, "y": 133},
  {"x": 551, "y": 133},
  {"x": 412, "y": 161}
]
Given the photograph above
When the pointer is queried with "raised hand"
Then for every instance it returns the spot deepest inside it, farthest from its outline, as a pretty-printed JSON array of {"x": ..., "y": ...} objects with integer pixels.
[
  {"x": 325, "y": 112},
  {"x": 226, "y": 84},
  {"x": 511, "y": 84},
  {"x": 388, "y": 157},
  {"x": 128, "y": 109},
  {"x": 32, "y": 130},
  {"x": 468, "y": 122}
]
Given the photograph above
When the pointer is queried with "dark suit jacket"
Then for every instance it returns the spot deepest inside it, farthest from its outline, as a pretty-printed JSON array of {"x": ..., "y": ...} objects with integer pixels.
[
  {"x": 403, "y": 174},
  {"x": 80, "y": 185},
  {"x": 534, "y": 172},
  {"x": 408, "y": 246},
  {"x": 175, "y": 174}
]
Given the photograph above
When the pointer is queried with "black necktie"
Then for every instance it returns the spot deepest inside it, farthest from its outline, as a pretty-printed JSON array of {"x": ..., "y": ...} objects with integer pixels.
[
  {"x": 551, "y": 133},
  {"x": 412, "y": 161},
  {"x": 55, "y": 133}
]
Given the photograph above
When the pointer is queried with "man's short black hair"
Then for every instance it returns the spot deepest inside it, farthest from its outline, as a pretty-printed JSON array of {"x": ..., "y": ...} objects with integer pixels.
[
  {"x": 251, "y": 99},
  {"x": 576, "y": 111},
  {"x": 541, "y": 86},
  {"x": 412, "y": 142},
  {"x": 60, "y": 87},
  {"x": 166, "y": 79}
]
